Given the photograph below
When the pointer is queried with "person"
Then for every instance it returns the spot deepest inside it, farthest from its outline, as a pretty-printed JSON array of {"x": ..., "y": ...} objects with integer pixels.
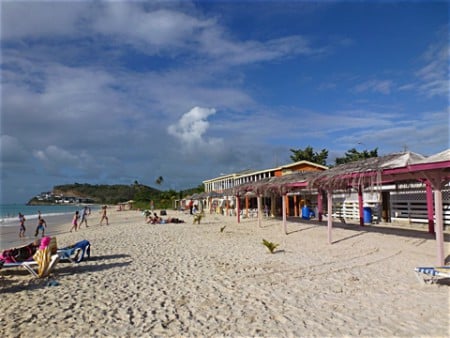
[
  {"x": 75, "y": 221},
  {"x": 191, "y": 205},
  {"x": 152, "y": 205},
  {"x": 104, "y": 217},
  {"x": 41, "y": 225},
  {"x": 22, "y": 228},
  {"x": 86, "y": 211}
]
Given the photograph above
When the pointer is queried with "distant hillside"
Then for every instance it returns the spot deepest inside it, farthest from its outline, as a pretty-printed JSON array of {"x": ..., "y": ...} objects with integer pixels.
[
  {"x": 103, "y": 194},
  {"x": 112, "y": 194}
]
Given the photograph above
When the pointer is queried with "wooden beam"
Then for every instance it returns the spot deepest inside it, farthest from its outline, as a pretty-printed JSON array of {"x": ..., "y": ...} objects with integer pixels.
[{"x": 330, "y": 212}]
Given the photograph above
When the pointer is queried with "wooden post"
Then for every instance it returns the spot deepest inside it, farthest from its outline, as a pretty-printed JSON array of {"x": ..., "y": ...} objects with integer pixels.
[
  {"x": 238, "y": 209},
  {"x": 283, "y": 203},
  {"x": 330, "y": 212},
  {"x": 259, "y": 209},
  {"x": 430, "y": 208},
  {"x": 361, "y": 206},
  {"x": 319, "y": 205},
  {"x": 295, "y": 206},
  {"x": 439, "y": 226},
  {"x": 246, "y": 205},
  {"x": 286, "y": 197}
]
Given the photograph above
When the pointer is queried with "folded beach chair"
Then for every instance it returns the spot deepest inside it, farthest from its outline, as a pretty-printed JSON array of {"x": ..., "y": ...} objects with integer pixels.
[
  {"x": 76, "y": 253},
  {"x": 432, "y": 274}
]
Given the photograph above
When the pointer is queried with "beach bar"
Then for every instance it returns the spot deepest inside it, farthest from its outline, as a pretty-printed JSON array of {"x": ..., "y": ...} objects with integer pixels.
[{"x": 385, "y": 176}]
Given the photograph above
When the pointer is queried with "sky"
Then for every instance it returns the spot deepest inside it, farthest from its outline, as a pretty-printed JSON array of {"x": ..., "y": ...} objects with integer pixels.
[{"x": 116, "y": 92}]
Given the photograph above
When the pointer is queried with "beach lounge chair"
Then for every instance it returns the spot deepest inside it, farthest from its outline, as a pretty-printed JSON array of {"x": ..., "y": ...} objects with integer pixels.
[
  {"x": 44, "y": 257},
  {"x": 432, "y": 274},
  {"x": 76, "y": 253},
  {"x": 31, "y": 265}
]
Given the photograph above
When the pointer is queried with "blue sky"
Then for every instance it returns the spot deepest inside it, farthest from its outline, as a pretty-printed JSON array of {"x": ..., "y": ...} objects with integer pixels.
[{"x": 113, "y": 92}]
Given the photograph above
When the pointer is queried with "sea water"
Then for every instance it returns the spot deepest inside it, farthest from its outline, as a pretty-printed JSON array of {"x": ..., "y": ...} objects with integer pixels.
[{"x": 9, "y": 212}]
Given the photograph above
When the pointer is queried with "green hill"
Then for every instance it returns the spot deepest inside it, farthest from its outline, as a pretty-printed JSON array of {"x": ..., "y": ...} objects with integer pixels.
[{"x": 113, "y": 194}]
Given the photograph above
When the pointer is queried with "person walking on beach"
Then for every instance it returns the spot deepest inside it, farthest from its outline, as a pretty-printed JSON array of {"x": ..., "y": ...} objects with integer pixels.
[
  {"x": 86, "y": 211},
  {"x": 75, "y": 221},
  {"x": 104, "y": 217},
  {"x": 42, "y": 224},
  {"x": 22, "y": 228}
]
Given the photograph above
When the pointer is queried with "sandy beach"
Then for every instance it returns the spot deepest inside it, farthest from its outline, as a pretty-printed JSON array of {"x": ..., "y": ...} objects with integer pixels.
[{"x": 185, "y": 280}]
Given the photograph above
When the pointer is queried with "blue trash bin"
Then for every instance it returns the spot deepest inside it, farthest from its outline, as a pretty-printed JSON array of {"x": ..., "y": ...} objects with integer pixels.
[
  {"x": 305, "y": 212},
  {"x": 367, "y": 215}
]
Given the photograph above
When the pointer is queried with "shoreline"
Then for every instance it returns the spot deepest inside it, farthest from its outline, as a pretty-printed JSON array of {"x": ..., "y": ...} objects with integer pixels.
[{"x": 196, "y": 280}]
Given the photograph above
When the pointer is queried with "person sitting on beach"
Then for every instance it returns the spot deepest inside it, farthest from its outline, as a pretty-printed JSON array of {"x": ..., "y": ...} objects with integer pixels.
[
  {"x": 42, "y": 224},
  {"x": 156, "y": 219}
]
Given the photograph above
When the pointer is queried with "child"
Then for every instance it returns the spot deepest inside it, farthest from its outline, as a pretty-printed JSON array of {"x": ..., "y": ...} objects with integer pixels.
[
  {"x": 42, "y": 224},
  {"x": 75, "y": 221},
  {"x": 21, "y": 225}
]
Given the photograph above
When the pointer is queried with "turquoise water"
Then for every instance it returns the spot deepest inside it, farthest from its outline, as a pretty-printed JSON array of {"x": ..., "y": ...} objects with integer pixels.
[{"x": 9, "y": 212}]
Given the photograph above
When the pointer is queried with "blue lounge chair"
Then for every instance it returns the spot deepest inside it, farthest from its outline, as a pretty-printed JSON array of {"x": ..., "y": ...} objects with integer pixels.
[{"x": 76, "y": 253}]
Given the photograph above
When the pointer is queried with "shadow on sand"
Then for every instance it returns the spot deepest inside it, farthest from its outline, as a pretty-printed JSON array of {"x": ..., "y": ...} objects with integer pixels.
[{"x": 368, "y": 228}]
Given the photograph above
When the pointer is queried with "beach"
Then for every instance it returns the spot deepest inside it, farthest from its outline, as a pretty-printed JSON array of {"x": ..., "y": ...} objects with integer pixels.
[{"x": 186, "y": 280}]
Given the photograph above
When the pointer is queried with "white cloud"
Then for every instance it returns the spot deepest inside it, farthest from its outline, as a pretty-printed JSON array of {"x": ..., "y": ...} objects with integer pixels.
[
  {"x": 377, "y": 86},
  {"x": 434, "y": 76},
  {"x": 27, "y": 19},
  {"x": 11, "y": 149},
  {"x": 55, "y": 154},
  {"x": 192, "y": 126}
]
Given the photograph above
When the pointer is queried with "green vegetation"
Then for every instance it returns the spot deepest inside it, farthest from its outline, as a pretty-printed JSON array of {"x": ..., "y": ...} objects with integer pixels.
[
  {"x": 114, "y": 194},
  {"x": 351, "y": 155},
  {"x": 270, "y": 245},
  {"x": 308, "y": 154}
]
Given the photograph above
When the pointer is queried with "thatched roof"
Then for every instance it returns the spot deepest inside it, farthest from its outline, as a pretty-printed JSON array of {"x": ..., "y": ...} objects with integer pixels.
[
  {"x": 364, "y": 172},
  {"x": 368, "y": 172},
  {"x": 443, "y": 156},
  {"x": 277, "y": 184}
]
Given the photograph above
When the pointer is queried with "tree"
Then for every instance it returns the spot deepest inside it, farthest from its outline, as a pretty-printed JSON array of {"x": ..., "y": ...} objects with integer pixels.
[
  {"x": 308, "y": 154},
  {"x": 353, "y": 155}
]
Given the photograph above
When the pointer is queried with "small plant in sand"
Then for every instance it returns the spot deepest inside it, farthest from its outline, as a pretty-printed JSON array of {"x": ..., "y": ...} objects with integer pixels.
[
  {"x": 223, "y": 228},
  {"x": 270, "y": 245}
]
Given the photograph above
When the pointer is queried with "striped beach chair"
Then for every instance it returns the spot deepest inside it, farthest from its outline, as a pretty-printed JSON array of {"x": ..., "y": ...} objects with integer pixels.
[{"x": 432, "y": 274}]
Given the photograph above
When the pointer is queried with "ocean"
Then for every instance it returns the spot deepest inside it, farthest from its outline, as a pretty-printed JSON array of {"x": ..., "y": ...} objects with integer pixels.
[{"x": 9, "y": 212}]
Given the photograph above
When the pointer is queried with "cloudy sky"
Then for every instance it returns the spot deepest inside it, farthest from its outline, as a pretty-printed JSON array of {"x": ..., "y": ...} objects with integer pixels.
[{"x": 114, "y": 92}]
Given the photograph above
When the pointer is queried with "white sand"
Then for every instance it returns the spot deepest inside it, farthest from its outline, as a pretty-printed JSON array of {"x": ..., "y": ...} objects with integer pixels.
[{"x": 173, "y": 280}]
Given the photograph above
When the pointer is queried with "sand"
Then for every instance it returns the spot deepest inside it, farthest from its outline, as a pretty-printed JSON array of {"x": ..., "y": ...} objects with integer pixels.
[{"x": 185, "y": 280}]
